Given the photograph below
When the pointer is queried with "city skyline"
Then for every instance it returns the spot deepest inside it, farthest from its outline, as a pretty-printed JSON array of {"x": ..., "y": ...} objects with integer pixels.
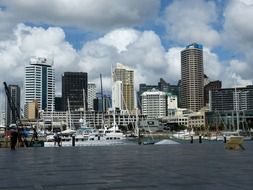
[{"x": 147, "y": 36}]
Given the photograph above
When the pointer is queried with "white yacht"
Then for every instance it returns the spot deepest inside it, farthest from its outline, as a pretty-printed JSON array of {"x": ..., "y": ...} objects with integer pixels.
[{"x": 111, "y": 134}]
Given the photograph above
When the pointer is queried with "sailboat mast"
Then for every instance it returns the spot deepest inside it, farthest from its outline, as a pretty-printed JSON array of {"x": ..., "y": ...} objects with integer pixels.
[
  {"x": 102, "y": 97},
  {"x": 70, "y": 127},
  {"x": 237, "y": 110},
  {"x": 136, "y": 122},
  {"x": 84, "y": 106}
]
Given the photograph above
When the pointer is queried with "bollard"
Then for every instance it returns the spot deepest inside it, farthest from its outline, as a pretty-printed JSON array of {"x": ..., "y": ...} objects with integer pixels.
[
  {"x": 191, "y": 139},
  {"x": 200, "y": 139},
  {"x": 73, "y": 140}
]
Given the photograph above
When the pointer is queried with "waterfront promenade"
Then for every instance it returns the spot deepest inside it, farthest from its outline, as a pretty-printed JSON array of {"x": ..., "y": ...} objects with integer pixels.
[{"x": 182, "y": 166}]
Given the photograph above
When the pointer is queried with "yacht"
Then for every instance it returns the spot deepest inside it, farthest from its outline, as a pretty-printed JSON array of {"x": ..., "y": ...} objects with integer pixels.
[{"x": 108, "y": 134}]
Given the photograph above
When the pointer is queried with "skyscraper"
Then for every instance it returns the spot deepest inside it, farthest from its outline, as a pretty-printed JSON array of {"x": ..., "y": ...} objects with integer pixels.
[
  {"x": 192, "y": 75},
  {"x": 73, "y": 84},
  {"x": 40, "y": 83},
  {"x": 15, "y": 96},
  {"x": 117, "y": 95},
  {"x": 213, "y": 85},
  {"x": 91, "y": 95},
  {"x": 126, "y": 75}
]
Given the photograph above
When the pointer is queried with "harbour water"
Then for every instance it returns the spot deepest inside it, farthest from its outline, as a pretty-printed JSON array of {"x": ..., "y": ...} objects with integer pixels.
[{"x": 179, "y": 166}]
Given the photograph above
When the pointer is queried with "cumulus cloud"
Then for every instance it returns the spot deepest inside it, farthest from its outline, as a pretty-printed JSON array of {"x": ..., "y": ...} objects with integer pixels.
[
  {"x": 141, "y": 51},
  {"x": 213, "y": 68},
  {"x": 35, "y": 41},
  {"x": 238, "y": 32},
  {"x": 191, "y": 21},
  {"x": 238, "y": 35},
  {"x": 174, "y": 64},
  {"x": 86, "y": 14}
]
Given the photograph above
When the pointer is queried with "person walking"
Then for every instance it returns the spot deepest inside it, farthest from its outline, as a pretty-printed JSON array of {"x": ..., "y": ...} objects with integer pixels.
[
  {"x": 34, "y": 137},
  {"x": 14, "y": 138}
]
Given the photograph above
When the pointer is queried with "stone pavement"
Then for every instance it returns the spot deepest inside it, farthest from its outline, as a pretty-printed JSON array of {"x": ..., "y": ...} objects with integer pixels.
[{"x": 183, "y": 166}]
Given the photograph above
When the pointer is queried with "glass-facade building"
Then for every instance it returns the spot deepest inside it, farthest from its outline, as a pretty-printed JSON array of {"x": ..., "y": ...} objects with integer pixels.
[
  {"x": 74, "y": 86},
  {"x": 15, "y": 98}
]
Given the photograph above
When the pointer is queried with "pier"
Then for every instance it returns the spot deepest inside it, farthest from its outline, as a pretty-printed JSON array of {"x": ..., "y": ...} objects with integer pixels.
[{"x": 181, "y": 166}]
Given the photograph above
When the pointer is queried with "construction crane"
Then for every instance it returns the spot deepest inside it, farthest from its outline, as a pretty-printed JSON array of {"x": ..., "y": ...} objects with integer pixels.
[{"x": 15, "y": 112}]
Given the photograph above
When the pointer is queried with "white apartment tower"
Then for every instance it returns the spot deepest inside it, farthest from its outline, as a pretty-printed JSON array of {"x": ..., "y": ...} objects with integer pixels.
[
  {"x": 172, "y": 102},
  {"x": 91, "y": 95},
  {"x": 154, "y": 103},
  {"x": 172, "y": 105},
  {"x": 40, "y": 83},
  {"x": 117, "y": 95}
]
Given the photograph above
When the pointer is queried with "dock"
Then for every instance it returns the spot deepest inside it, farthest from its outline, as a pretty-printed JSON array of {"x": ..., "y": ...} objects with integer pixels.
[{"x": 177, "y": 166}]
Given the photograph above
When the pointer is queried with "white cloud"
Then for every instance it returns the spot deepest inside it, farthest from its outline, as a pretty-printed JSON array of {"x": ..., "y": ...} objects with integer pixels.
[
  {"x": 174, "y": 64},
  {"x": 238, "y": 35},
  {"x": 141, "y": 51},
  {"x": 120, "y": 38},
  {"x": 86, "y": 14},
  {"x": 238, "y": 32},
  {"x": 212, "y": 66},
  {"x": 28, "y": 42},
  {"x": 191, "y": 21}
]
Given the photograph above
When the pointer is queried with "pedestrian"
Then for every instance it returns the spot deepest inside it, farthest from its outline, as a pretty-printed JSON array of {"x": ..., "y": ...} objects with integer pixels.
[
  {"x": 224, "y": 139},
  {"x": 191, "y": 139},
  {"x": 34, "y": 136},
  {"x": 59, "y": 140},
  {"x": 14, "y": 138},
  {"x": 55, "y": 138}
]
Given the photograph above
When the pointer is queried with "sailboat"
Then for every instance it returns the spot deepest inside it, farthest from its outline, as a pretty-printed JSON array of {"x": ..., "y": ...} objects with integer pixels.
[
  {"x": 85, "y": 130},
  {"x": 107, "y": 134},
  {"x": 66, "y": 135}
]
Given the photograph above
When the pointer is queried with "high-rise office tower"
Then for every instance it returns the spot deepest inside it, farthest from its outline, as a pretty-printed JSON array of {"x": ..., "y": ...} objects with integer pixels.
[
  {"x": 117, "y": 95},
  {"x": 126, "y": 75},
  {"x": 73, "y": 85},
  {"x": 15, "y": 96},
  {"x": 102, "y": 104},
  {"x": 40, "y": 83},
  {"x": 91, "y": 95},
  {"x": 58, "y": 103},
  {"x": 192, "y": 75},
  {"x": 213, "y": 85}
]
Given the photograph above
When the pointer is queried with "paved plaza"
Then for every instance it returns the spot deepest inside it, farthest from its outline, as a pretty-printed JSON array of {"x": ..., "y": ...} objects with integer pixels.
[{"x": 182, "y": 166}]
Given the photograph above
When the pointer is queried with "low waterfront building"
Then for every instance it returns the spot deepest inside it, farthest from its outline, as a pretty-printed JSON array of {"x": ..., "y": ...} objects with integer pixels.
[
  {"x": 228, "y": 99},
  {"x": 184, "y": 117}
]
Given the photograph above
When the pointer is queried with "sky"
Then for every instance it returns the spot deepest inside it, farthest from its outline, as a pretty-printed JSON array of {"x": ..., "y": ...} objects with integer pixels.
[{"x": 145, "y": 35}]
